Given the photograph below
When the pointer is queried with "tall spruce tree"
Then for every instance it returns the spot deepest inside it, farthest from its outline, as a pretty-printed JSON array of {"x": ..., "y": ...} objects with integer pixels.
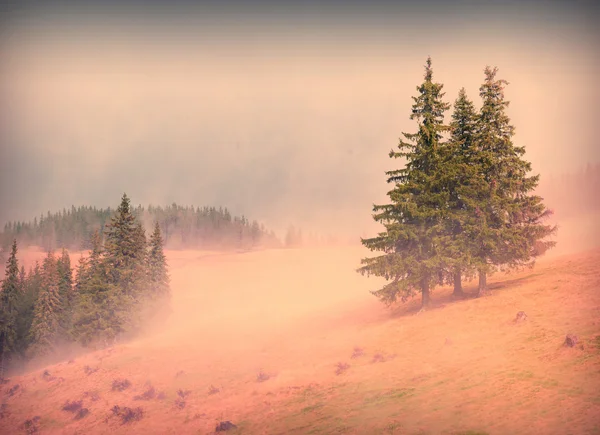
[
  {"x": 45, "y": 329},
  {"x": 33, "y": 284},
  {"x": 9, "y": 304},
  {"x": 157, "y": 266},
  {"x": 125, "y": 250},
  {"x": 509, "y": 232},
  {"x": 462, "y": 178},
  {"x": 99, "y": 312},
  {"x": 157, "y": 305},
  {"x": 413, "y": 259},
  {"x": 65, "y": 287}
]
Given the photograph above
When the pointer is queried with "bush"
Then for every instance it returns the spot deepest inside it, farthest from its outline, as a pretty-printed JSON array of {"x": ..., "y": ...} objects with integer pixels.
[
  {"x": 128, "y": 414},
  {"x": 341, "y": 368},
  {"x": 72, "y": 406},
  {"x": 120, "y": 384}
]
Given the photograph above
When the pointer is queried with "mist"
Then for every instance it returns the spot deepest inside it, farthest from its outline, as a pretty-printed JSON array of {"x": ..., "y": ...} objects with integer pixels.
[{"x": 284, "y": 115}]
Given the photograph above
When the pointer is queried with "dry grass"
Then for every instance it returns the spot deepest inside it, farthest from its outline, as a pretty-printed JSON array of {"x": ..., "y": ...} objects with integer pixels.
[{"x": 461, "y": 367}]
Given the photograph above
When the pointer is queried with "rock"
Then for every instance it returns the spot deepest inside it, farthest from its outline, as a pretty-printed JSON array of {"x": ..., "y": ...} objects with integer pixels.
[
  {"x": 521, "y": 316},
  {"x": 571, "y": 340},
  {"x": 225, "y": 426}
]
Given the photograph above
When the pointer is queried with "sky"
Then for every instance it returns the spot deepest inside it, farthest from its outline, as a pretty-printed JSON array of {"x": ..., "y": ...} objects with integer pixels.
[{"x": 285, "y": 113}]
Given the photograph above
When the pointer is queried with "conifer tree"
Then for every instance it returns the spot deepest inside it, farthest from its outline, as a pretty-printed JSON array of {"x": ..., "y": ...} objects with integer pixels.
[
  {"x": 98, "y": 316},
  {"x": 65, "y": 286},
  {"x": 510, "y": 232},
  {"x": 462, "y": 178},
  {"x": 157, "y": 266},
  {"x": 32, "y": 287},
  {"x": 413, "y": 259},
  {"x": 125, "y": 250},
  {"x": 157, "y": 298},
  {"x": 45, "y": 328},
  {"x": 9, "y": 301}
]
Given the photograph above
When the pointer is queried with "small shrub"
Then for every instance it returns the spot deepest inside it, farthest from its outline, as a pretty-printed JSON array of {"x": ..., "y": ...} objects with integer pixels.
[
  {"x": 183, "y": 393},
  {"x": 262, "y": 376},
  {"x": 213, "y": 390},
  {"x": 92, "y": 395},
  {"x": 47, "y": 376},
  {"x": 3, "y": 411},
  {"x": 225, "y": 426},
  {"x": 72, "y": 406},
  {"x": 32, "y": 426},
  {"x": 89, "y": 370},
  {"x": 81, "y": 413},
  {"x": 179, "y": 373},
  {"x": 379, "y": 357},
  {"x": 13, "y": 390},
  {"x": 128, "y": 414},
  {"x": 358, "y": 352},
  {"x": 120, "y": 384},
  {"x": 179, "y": 403},
  {"x": 146, "y": 395},
  {"x": 521, "y": 316},
  {"x": 571, "y": 340},
  {"x": 341, "y": 368}
]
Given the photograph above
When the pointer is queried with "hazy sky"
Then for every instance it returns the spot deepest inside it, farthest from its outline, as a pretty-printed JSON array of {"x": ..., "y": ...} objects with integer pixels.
[{"x": 285, "y": 114}]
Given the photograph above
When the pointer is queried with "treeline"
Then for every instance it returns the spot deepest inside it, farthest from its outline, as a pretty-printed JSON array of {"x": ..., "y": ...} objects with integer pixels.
[
  {"x": 462, "y": 204},
  {"x": 183, "y": 227},
  {"x": 122, "y": 285}
]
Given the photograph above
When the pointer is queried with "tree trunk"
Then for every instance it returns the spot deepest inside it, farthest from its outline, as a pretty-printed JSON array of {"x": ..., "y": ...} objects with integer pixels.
[
  {"x": 424, "y": 294},
  {"x": 458, "y": 291},
  {"x": 482, "y": 283}
]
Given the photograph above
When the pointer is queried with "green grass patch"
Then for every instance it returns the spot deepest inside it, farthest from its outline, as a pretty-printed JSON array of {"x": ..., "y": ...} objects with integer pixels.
[
  {"x": 312, "y": 408},
  {"x": 524, "y": 374},
  {"x": 387, "y": 396},
  {"x": 547, "y": 383}
]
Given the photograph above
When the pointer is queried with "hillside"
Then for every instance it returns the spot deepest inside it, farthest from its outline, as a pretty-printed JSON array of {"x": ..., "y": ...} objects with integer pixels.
[{"x": 293, "y": 315}]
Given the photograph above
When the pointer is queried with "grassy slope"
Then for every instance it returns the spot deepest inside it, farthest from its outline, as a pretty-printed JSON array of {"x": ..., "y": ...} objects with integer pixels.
[{"x": 462, "y": 366}]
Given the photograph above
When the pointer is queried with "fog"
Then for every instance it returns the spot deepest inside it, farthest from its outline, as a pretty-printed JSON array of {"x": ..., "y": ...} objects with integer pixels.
[{"x": 284, "y": 115}]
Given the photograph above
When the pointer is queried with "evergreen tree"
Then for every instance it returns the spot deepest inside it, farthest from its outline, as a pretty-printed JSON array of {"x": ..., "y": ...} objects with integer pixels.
[
  {"x": 65, "y": 286},
  {"x": 99, "y": 312},
  {"x": 33, "y": 284},
  {"x": 411, "y": 242},
  {"x": 158, "y": 297},
  {"x": 125, "y": 250},
  {"x": 45, "y": 328},
  {"x": 9, "y": 301},
  {"x": 157, "y": 266},
  {"x": 509, "y": 232},
  {"x": 462, "y": 178}
]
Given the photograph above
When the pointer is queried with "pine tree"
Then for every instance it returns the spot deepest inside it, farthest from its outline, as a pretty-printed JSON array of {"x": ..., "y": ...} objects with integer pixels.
[
  {"x": 157, "y": 266},
  {"x": 158, "y": 297},
  {"x": 125, "y": 250},
  {"x": 33, "y": 284},
  {"x": 65, "y": 286},
  {"x": 412, "y": 257},
  {"x": 99, "y": 313},
  {"x": 10, "y": 294},
  {"x": 462, "y": 178},
  {"x": 509, "y": 232},
  {"x": 45, "y": 328}
]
